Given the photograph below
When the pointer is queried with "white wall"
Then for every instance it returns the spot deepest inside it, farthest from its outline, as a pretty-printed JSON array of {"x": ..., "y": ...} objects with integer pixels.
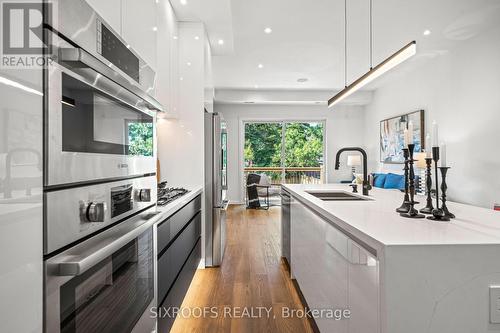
[
  {"x": 343, "y": 128},
  {"x": 459, "y": 88}
]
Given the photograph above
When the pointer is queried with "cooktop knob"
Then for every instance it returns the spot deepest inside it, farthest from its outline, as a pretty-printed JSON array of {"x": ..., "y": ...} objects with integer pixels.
[
  {"x": 143, "y": 195},
  {"x": 96, "y": 211}
]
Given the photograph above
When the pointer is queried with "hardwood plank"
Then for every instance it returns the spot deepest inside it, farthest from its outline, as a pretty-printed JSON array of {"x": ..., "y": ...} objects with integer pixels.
[{"x": 252, "y": 275}]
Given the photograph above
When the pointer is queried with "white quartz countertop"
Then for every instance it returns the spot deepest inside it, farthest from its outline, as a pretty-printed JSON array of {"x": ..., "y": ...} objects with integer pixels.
[
  {"x": 174, "y": 206},
  {"x": 376, "y": 220}
]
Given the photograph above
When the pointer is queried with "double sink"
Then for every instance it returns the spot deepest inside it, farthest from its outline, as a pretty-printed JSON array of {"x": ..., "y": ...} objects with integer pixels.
[{"x": 337, "y": 196}]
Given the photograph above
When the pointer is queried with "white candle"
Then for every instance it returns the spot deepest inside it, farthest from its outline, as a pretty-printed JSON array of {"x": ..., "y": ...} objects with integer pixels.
[
  {"x": 428, "y": 148},
  {"x": 443, "y": 154},
  {"x": 405, "y": 136},
  {"x": 435, "y": 134},
  {"x": 410, "y": 132}
]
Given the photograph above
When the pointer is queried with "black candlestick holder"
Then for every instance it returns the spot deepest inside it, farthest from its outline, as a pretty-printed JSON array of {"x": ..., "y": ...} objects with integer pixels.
[
  {"x": 437, "y": 213},
  {"x": 444, "y": 188},
  {"x": 428, "y": 187},
  {"x": 405, "y": 207},
  {"x": 412, "y": 212}
]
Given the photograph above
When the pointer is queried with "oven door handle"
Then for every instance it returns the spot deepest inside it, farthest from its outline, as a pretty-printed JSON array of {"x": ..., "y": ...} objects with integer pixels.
[
  {"x": 103, "y": 246},
  {"x": 82, "y": 59}
]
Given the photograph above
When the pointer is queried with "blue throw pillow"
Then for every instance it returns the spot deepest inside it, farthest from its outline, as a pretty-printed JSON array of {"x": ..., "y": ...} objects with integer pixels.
[
  {"x": 379, "y": 179},
  {"x": 394, "y": 181}
]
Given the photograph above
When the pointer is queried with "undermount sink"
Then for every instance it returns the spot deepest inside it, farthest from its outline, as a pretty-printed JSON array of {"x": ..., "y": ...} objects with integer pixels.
[{"x": 337, "y": 196}]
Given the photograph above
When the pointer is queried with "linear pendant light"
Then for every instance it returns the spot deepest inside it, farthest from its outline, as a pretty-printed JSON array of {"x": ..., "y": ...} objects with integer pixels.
[{"x": 397, "y": 58}]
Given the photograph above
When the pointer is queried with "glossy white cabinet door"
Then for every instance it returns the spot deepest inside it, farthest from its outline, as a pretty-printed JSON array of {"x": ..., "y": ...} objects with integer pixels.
[
  {"x": 21, "y": 219},
  {"x": 363, "y": 290},
  {"x": 174, "y": 70},
  {"x": 334, "y": 272},
  {"x": 318, "y": 264},
  {"x": 167, "y": 71},
  {"x": 139, "y": 19}
]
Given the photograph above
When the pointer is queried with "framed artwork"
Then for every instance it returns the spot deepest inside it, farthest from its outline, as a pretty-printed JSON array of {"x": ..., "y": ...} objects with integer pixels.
[{"x": 392, "y": 136}]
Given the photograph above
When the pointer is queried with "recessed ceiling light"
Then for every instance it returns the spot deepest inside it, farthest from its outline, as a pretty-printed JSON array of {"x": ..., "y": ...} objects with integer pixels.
[
  {"x": 155, "y": 28},
  {"x": 196, "y": 37},
  {"x": 188, "y": 63},
  {"x": 220, "y": 42},
  {"x": 302, "y": 80},
  {"x": 256, "y": 86},
  {"x": 268, "y": 30},
  {"x": 175, "y": 37},
  {"x": 181, "y": 78},
  {"x": 260, "y": 66},
  {"x": 183, "y": 2},
  {"x": 427, "y": 32}
]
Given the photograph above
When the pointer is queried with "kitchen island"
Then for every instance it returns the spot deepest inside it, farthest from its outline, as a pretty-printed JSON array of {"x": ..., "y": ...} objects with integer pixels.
[{"x": 392, "y": 273}]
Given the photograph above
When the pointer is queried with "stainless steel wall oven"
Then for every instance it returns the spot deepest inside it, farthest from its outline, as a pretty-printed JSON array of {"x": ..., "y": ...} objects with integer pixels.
[
  {"x": 99, "y": 177},
  {"x": 95, "y": 288}
]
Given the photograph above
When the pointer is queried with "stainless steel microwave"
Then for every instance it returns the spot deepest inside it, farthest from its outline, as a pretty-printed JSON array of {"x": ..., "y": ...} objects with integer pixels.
[{"x": 99, "y": 109}]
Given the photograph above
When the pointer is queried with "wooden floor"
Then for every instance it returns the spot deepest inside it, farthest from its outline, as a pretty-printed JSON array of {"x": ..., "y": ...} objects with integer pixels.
[{"x": 251, "y": 275}]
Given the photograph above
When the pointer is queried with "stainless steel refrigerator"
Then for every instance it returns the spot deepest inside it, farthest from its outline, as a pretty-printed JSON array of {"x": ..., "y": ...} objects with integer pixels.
[{"x": 215, "y": 188}]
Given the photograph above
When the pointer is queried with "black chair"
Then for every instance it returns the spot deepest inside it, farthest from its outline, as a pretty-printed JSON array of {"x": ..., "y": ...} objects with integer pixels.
[{"x": 255, "y": 190}]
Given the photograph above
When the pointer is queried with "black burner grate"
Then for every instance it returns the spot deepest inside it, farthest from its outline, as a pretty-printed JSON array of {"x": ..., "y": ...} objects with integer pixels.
[{"x": 169, "y": 194}]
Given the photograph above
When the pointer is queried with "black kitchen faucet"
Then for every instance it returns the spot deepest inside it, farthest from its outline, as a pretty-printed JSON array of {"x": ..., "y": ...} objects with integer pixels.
[{"x": 366, "y": 184}]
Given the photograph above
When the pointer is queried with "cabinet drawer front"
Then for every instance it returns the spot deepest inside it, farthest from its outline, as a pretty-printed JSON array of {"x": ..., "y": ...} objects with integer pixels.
[
  {"x": 168, "y": 229},
  {"x": 180, "y": 287},
  {"x": 170, "y": 262}
]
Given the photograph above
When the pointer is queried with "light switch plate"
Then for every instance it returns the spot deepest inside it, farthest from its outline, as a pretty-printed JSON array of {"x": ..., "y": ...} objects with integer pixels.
[{"x": 495, "y": 304}]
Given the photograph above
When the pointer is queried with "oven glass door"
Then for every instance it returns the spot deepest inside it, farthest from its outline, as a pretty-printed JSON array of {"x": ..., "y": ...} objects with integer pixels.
[
  {"x": 113, "y": 295},
  {"x": 94, "y": 122}
]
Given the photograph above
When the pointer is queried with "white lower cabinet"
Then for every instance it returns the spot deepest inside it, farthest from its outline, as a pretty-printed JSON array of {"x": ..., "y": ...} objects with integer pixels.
[
  {"x": 363, "y": 290},
  {"x": 333, "y": 272}
]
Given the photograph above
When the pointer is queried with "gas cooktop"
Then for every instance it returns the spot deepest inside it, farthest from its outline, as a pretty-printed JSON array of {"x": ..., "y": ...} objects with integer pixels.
[{"x": 169, "y": 194}]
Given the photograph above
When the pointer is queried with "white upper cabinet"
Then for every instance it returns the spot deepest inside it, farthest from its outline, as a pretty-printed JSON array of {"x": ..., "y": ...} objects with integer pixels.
[
  {"x": 110, "y": 11},
  {"x": 167, "y": 71},
  {"x": 140, "y": 27}
]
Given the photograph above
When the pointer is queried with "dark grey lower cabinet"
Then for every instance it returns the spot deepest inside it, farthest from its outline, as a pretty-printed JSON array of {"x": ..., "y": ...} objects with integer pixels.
[
  {"x": 177, "y": 261},
  {"x": 176, "y": 294},
  {"x": 285, "y": 226}
]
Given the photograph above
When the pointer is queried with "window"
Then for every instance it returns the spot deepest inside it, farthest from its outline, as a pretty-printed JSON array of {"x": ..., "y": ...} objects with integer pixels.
[
  {"x": 288, "y": 152},
  {"x": 140, "y": 138}
]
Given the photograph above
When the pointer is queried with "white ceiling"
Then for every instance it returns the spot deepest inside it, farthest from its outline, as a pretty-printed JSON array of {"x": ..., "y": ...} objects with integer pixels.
[{"x": 308, "y": 36}]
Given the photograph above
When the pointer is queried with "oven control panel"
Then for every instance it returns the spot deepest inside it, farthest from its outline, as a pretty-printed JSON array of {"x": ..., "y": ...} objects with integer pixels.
[
  {"x": 96, "y": 211},
  {"x": 121, "y": 200},
  {"x": 74, "y": 213},
  {"x": 143, "y": 195}
]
